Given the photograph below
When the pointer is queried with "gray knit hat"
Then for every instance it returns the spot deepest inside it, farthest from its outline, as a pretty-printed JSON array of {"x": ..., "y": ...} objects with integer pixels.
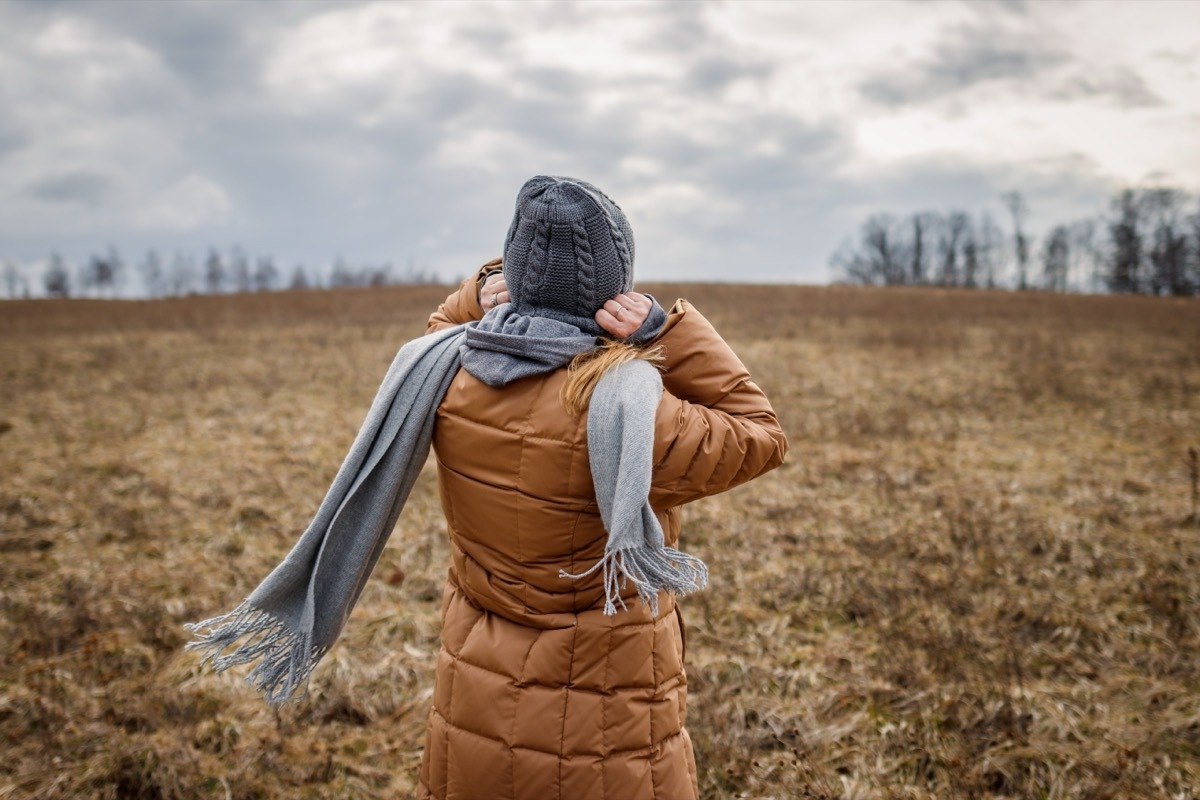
[{"x": 568, "y": 250}]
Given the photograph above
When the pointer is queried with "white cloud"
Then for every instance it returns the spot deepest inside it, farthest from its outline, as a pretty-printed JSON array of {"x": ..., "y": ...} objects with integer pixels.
[{"x": 191, "y": 202}]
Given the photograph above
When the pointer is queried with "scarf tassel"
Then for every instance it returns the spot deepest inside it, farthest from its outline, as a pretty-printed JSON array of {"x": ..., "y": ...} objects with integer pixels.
[
  {"x": 288, "y": 656},
  {"x": 651, "y": 570}
]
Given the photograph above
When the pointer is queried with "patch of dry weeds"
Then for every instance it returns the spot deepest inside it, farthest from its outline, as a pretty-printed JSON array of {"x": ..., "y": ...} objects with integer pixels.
[{"x": 973, "y": 578}]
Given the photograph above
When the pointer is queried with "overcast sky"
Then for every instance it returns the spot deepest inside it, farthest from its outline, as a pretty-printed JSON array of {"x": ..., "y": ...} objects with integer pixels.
[{"x": 744, "y": 140}]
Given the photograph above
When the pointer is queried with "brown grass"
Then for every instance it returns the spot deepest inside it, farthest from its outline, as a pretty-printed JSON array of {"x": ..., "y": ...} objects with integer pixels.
[{"x": 975, "y": 576}]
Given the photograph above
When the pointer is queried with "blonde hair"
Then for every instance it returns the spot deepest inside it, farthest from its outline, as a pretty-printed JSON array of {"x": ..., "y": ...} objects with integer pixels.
[{"x": 586, "y": 370}]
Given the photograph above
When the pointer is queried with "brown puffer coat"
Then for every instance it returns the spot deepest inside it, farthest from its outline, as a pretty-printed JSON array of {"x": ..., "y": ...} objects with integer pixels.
[{"x": 539, "y": 694}]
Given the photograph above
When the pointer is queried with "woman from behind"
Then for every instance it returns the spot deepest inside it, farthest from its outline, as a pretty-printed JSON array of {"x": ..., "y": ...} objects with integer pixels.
[
  {"x": 561, "y": 672},
  {"x": 571, "y": 418}
]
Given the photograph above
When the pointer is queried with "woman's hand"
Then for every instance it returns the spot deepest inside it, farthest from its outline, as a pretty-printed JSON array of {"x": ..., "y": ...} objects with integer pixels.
[
  {"x": 494, "y": 292},
  {"x": 624, "y": 314}
]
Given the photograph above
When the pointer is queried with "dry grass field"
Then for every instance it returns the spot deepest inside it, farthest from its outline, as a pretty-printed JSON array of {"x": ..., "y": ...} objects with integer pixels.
[{"x": 975, "y": 577}]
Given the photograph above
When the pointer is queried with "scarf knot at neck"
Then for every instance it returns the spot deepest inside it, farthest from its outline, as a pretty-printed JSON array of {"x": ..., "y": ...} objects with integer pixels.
[{"x": 506, "y": 346}]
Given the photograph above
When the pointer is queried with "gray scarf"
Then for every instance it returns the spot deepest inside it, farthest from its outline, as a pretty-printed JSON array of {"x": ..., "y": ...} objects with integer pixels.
[
  {"x": 294, "y": 616},
  {"x": 505, "y": 346}
]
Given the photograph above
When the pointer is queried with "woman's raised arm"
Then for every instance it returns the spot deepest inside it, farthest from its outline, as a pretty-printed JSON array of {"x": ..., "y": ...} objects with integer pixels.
[
  {"x": 462, "y": 305},
  {"x": 715, "y": 428}
]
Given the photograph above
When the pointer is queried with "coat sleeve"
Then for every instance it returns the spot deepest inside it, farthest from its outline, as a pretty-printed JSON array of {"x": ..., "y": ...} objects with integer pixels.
[
  {"x": 714, "y": 427},
  {"x": 462, "y": 305}
]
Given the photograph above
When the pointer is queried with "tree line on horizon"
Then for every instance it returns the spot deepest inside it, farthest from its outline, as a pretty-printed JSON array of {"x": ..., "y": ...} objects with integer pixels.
[
  {"x": 1146, "y": 243},
  {"x": 106, "y": 274}
]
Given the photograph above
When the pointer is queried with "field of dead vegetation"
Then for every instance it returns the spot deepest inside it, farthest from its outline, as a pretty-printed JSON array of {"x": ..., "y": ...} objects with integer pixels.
[{"x": 975, "y": 577}]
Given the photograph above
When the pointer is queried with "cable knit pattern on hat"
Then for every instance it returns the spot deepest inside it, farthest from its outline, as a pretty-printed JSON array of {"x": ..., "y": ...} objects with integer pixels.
[
  {"x": 569, "y": 248},
  {"x": 536, "y": 266},
  {"x": 587, "y": 268}
]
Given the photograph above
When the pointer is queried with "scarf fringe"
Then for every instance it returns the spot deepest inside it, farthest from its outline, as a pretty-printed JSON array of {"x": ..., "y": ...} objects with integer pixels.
[
  {"x": 651, "y": 570},
  {"x": 288, "y": 656}
]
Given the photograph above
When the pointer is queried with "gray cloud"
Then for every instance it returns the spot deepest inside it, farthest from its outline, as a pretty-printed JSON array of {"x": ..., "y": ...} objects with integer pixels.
[
  {"x": 12, "y": 138},
  {"x": 81, "y": 187},
  {"x": 206, "y": 47},
  {"x": 714, "y": 73},
  {"x": 970, "y": 56},
  {"x": 1121, "y": 86},
  {"x": 442, "y": 98},
  {"x": 993, "y": 53},
  {"x": 679, "y": 27},
  {"x": 495, "y": 40},
  {"x": 1179, "y": 57}
]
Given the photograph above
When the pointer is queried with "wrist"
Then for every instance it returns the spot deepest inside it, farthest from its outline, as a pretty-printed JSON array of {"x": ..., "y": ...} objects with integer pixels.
[
  {"x": 482, "y": 279},
  {"x": 651, "y": 326}
]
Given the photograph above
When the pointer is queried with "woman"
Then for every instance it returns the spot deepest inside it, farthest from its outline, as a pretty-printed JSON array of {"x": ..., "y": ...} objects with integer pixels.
[
  {"x": 563, "y": 458},
  {"x": 539, "y": 693}
]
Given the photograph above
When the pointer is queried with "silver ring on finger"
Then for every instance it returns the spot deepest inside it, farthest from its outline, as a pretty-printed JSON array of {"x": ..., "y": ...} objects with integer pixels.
[{"x": 620, "y": 310}]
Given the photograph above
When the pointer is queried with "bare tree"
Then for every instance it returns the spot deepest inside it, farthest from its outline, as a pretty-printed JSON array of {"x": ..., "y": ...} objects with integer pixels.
[
  {"x": 879, "y": 258},
  {"x": 342, "y": 275},
  {"x": 116, "y": 271},
  {"x": 153, "y": 279},
  {"x": 100, "y": 273},
  {"x": 848, "y": 264},
  {"x": 886, "y": 249},
  {"x": 86, "y": 275},
  {"x": 1018, "y": 210},
  {"x": 56, "y": 279},
  {"x": 299, "y": 278},
  {"x": 239, "y": 270},
  {"x": 380, "y": 275},
  {"x": 265, "y": 274},
  {"x": 1194, "y": 261},
  {"x": 1086, "y": 272},
  {"x": 970, "y": 257},
  {"x": 949, "y": 239},
  {"x": 413, "y": 274},
  {"x": 1056, "y": 259},
  {"x": 1124, "y": 274},
  {"x": 182, "y": 279},
  {"x": 214, "y": 271},
  {"x": 13, "y": 280},
  {"x": 990, "y": 246},
  {"x": 921, "y": 222},
  {"x": 1168, "y": 251}
]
